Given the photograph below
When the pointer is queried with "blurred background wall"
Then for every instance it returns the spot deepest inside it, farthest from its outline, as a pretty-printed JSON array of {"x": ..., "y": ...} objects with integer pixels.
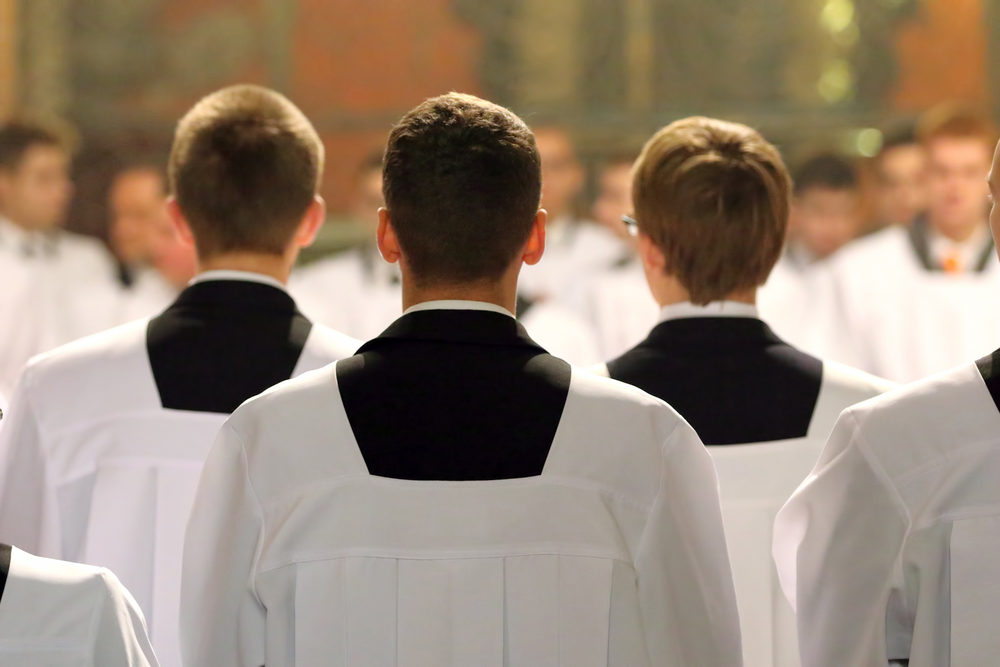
[{"x": 809, "y": 73}]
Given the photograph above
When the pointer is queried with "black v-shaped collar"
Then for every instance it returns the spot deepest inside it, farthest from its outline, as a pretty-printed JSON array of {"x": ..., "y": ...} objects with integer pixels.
[
  {"x": 920, "y": 242},
  {"x": 989, "y": 368},
  {"x": 5, "y": 550}
]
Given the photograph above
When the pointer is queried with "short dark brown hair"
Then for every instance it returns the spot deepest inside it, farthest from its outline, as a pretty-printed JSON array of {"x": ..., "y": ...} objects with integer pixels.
[
  {"x": 462, "y": 181},
  {"x": 714, "y": 197},
  {"x": 18, "y": 136},
  {"x": 956, "y": 120},
  {"x": 825, "y": 170},
  {"x": 244, "y": 167}
]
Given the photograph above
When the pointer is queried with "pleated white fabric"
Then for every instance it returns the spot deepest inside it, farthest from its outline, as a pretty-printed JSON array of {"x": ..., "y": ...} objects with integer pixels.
[
  {"x": 754, "y": 482},
  {"x": 888, "y": 549},
  {"x": 94, "y": 470},
  {"x": 58, "y": 614},
  {"x": 614, "y": 555}
]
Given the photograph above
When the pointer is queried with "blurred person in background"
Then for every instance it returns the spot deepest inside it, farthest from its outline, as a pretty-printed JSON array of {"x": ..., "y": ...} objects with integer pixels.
[
  {"x": 900, "y": 177},
  {"x": 825, "y": 215},
  {"x": 908, "y": 302},
  {"x": 355, "y": 291},
  {"x": 711, "y": 208},
  {"x": 576, "y": 247},
  {"x": 155, "y": 264},
  {"x": 135, "y": 198},
  {"x": 57, "y": 286},
  {"x": 614, "y": 195},
  {"x": 569, "y": 327},
  {"x": 615, "y": 303},
  {"x": 826, "y": 209}
]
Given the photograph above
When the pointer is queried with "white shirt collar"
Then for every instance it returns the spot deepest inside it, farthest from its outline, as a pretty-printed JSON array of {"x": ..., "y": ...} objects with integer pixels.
[
  {"x": 676, "y": 311},
  {"x": 458, "y": 304},
  {"x": 966, "y": 252},
  {"x": 15, "y": 236},
  {"x": 246, "y": 276}
]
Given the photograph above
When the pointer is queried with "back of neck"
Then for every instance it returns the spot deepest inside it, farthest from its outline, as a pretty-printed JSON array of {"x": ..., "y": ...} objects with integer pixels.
[{"x": 275, "y": 266}]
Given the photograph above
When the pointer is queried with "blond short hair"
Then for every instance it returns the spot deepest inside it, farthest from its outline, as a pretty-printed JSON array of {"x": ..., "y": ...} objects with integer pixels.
[{"x": 714, "y": 198}]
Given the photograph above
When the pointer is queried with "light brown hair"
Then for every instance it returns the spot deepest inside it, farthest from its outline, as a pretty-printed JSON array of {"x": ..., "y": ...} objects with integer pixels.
[
  {"x": 244, "y": 167},
  {"x": 956, "y": 120},
  {"x": 714, "y": 198}
]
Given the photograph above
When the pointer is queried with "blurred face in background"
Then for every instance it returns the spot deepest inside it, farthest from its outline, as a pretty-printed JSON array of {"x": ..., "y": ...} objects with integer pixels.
[
  {"x": 614, "y": 197},
  {"x": 562, "y": 174},
  {"x": 368, "y": 198},
  {"x": 956, "y": 190},
  {"x": 136, "y": 200},
  {"x": 35, "y": 194},
  {"x": 824, "y": 219},
  {"x": 902, "y": 184}
]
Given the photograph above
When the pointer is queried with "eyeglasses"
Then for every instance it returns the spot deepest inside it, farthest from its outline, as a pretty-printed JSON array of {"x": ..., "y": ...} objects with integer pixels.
[{"x": 631, "y": 225}]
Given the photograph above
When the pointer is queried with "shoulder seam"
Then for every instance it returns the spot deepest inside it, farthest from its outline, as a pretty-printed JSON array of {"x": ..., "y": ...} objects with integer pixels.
[
  {"x": 877, "y": 468},
  {"x": 259, "y": 547}
]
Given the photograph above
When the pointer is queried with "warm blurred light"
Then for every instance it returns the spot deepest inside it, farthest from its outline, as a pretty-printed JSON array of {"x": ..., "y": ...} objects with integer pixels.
[
  {"x": 837, "y": 15},
  {"x": 836, "y": 82},
  {"x": 893, "y": 3},
  {"x": 847, "y": 37},
  {"x": 868, "y": 142}
]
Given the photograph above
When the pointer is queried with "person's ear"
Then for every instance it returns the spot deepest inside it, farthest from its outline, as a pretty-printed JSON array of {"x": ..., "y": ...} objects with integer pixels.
[
  {"x": 534, "y": 248},
  {"x": 179, "y": 222},
  {"x": 385, "y": 237},
  {"x": 653, "y": 259},
  {"x": 314, "y": 218}
]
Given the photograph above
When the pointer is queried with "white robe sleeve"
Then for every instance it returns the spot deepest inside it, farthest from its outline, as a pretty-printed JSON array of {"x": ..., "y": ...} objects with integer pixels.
[
  {"x": 837, "y": 547},
  {"x": 684, "y": 578},
  {"x": 222, "y": 620},
  {"x": 29, "y": 508},
  {"x": 120, "y": 638}
]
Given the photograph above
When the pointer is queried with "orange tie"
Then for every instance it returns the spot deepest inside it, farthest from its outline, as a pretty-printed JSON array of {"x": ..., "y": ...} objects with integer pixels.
[{"x": 951, "y": 263}]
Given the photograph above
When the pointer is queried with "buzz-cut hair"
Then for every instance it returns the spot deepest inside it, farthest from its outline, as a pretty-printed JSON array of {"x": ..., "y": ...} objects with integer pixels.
[{"x": 245, "y": 167}]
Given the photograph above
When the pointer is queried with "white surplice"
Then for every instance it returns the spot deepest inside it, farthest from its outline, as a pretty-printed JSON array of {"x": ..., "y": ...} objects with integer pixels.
[
  {"x": 59, "y": 614},
  {"x": 888, "y": 550},
  {"x": 93, "y": 469},
  {"x": 614, "y": 555},
  {"x": 56, "y": 287},
  {"x": 355, "y": 292},
  {"x": 888, "y": 315},
  {"x": 755, "y": 479}
]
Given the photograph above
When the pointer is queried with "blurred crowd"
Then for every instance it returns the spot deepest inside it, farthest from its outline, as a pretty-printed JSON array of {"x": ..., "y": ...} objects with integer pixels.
[{"x": 906, "y": 227}]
